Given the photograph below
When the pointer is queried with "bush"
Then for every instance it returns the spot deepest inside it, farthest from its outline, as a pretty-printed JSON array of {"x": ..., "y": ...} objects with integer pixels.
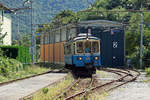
[
  {"x": 45, "y": 90},
  {"x": 9, "y": 65},
  {"x": 1, "y": 52},
  {"x": 17, "y": 52},
  {"x": 148, "y": 71},
  {"x": 135, "y": 57}
]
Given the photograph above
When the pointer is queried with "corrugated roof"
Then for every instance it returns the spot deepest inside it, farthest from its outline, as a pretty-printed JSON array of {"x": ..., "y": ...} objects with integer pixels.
[{"x": 102, "y": 23}]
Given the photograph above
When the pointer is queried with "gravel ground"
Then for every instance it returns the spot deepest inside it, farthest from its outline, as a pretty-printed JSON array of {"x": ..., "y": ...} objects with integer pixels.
[
  {"x": 138, "y": 90},
  {"x": 19, "y": 89},
  {"x": 104, "y": 77}
]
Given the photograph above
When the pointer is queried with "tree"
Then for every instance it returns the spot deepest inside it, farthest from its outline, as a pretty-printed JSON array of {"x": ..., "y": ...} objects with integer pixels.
[
  {"x": 65, "y": 17},
  {"x": 2, "y": 36}
]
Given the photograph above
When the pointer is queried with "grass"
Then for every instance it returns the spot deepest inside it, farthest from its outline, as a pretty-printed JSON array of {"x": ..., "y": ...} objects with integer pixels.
[
  {"x": 102, "y": 73},
  {"x": 98, "y": 95},
  {"x": 147, "y": 70},
  {"x": 51, "y": 92},
  {"x": 26, "y": 71}
]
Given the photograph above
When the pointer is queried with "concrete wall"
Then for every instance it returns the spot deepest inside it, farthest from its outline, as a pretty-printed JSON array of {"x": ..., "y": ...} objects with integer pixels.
[{"x": 6, "y": 27}]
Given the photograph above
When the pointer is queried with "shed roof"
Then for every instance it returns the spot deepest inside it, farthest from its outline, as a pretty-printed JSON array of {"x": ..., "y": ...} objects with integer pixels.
[{"x": 100, "y": 23}]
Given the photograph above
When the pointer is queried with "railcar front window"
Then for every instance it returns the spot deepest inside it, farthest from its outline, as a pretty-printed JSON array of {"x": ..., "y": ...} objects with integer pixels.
[
  {"x": 80, "y": 47},
  {"x": 95, "y": 47},
  {"x": 87, "y": 47}
]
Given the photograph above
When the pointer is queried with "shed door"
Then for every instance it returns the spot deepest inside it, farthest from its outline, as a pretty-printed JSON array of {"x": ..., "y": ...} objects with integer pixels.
[
  {"x": 106, "y": 48},
  {"x": 117, "y": 47}
]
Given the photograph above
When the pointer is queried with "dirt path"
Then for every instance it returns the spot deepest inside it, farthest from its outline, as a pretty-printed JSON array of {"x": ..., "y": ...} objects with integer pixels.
[{"x": 19, "y": 89}]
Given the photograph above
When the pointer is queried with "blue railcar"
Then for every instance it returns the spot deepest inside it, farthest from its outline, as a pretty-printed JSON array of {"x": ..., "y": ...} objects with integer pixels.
[{"x": 83, "y": 53}]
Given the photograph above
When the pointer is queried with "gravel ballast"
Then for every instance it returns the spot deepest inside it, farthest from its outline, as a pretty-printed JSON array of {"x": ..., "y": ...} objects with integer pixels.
[{"x": 137, "y": 90}]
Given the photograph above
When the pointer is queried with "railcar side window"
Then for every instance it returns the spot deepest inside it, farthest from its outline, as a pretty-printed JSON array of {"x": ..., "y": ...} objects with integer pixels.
[
  {"x": 80, "y": 47},
  {"x": 67, "y": 49},
  {"x": 95, "y": 47},
  {"x": 42, "y": 40},
  {"x": 73, "y": 48}
]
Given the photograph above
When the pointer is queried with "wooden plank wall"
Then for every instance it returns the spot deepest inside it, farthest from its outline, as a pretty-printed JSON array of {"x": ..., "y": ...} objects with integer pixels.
[{"x": 52, "y": 53}]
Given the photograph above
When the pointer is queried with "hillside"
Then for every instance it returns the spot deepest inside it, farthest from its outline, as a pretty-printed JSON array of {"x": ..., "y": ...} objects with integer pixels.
[{"x": 43, "y": 12}]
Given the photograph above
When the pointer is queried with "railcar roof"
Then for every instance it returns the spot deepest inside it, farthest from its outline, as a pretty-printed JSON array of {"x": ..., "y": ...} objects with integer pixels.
[{"x": 83, "y": 36}]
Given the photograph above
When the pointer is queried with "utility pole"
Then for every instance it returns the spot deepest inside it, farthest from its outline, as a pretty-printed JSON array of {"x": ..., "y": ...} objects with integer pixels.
[
  {"x": 19, "y": 38},
  {"x": 141, "y": 38},
  {"x": 32, "y": 35}
]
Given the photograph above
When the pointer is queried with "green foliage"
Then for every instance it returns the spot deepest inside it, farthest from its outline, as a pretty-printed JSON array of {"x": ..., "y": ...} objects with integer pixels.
[
  {"x": 2, "y": 36},
  {"x": 133, "y": 39},
  {"x": 1, "y": 52},
  {"x": 9, "y": 65},
  {"x": 131, "y": 19},
  {"x": 32, "y": 69},
  {"x": 51, "y": 92},
  {"x": 24, "y": 41},
  {"x": 45, "y": 90},
  {"x": 17, "y": 52},
  {"x": 65, "y": 17},
  {"x": 132, "y": 30},
  {"x": 147, "y": 70},
  {"x": 62, "y": 18},
  {"x": 15, "y": 70},
  {"x": 44, "y": 11},
  {"x": 23, "y": 54}
]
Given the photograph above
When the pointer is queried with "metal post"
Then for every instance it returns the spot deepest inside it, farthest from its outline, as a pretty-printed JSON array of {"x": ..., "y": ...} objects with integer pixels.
[
  {"x": 32, "y": 47},
  {"x": 48, "y": 47},
  {"x": 124, "y": 44},
  {"x": 19, "y": 39},
  {"x": 141, "y": 38},
  {"x": 60, "y": 45}
]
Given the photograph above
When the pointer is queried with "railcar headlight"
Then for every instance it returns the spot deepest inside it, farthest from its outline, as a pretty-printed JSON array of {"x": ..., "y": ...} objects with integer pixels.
[
  {"x": 96, "y": 58},
  {"x": 79, "y": 58}
]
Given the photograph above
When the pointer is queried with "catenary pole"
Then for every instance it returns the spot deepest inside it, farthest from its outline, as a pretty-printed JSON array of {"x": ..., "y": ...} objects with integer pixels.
[
  {"x": 141, "y": 38},
  {"x": 32, "y": 37}
]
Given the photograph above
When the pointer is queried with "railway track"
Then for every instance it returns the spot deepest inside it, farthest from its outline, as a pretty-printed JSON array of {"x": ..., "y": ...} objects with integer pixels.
[
  {"x": 78, "y": 85},
  {"x": 125, "y": 76},
  {"x": 19, "y": 79}
]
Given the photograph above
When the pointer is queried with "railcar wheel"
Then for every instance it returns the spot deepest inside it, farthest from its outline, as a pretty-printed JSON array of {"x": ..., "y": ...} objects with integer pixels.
[
  {"x": 67, "y": 66},
  {"x": 94, "y": 70}
]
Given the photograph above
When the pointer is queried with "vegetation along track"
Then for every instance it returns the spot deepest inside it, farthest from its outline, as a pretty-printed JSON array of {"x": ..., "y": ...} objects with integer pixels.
[
  {"x": 77, "y": 86},
  {"x": 125, "y": 76},
  {"x": 19, "y": 79}
]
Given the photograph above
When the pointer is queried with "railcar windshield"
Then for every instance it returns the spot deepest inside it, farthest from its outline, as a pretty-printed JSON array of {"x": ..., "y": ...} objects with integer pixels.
[
  {"x": 87, "y": 46},
  {"x": 79, "y": 46},
  {"x": 95, "y": 46}
]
